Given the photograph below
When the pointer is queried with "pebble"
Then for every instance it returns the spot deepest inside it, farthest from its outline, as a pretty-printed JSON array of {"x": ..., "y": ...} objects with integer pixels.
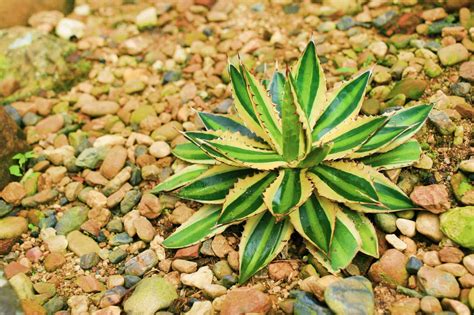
[
  {"x": 13, "y": 193},
  {"x": 468, "y": 262},
  {"x": 147, "y": 18},
  {"x": 245, "y": 300},
  {"x": 145, "y": 230},
  {"x": 350, "y": 295},
  {"x": 201, "y": 308},
  {"x": 460, "y": 233},
  {"x": 160, "y": 149},
  {"x": 184, "y": 266},
  {"x": 199, "y": 279},
  {"x": 397, "y": 243},
  {"x": 12, "y": 227},
  {"x": 22, "y": 286},
  {"x": 450, "y": 254},
  {"x": 466, "y": 71},
  {"x": 390, "y": 269},
  {"x": 437, "y": 283},
  {"x": 81, "y": 244},
  {"x": 140, "y": 264},
  {"x": 428, "y": 224},
  {"x": 430, "y": 304},
  {"x": 413, "y": 265},
  {"x": 456, "y": 306},
  {"x": 433, "y": 198},
  {"x": 113, "y": 162},
  {"x": 406, "y": 227},
  {"x": 54, "y": 261},
  {"x": 89, "y": 284},
  {"x": 100, "y": 108},
  {"x": 69, "y": 28},
  {"x": 71, "y": 220},
  {"x": 151, "y": 295},
  {"x": 89, "y": 260},
  {"x": 453, "y": 54}
]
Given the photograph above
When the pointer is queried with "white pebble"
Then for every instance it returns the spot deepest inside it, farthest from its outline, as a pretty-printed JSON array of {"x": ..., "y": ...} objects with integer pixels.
[
  {"x": 397, "y": 243},
  {"x": 160, "y": 149},
  {"x": 406, "y": 227}
]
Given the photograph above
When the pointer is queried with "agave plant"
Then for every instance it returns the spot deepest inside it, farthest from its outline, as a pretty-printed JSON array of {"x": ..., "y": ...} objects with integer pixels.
[{"x": 294, "y": 158}]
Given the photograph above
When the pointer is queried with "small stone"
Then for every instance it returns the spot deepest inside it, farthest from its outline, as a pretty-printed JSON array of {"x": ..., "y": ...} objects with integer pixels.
[
  {"x": 201, "y": 308},
  {"x": 456, "y": 270},
  {"x": 14, "y": 268},
  {"x": 397, "y": 243},
  {"x": 386, "y": 222},
  {"x": 450, "y": 254},
  {"x": 390, "y": 269},
  {"x": 181, "y": 214},
  {"x": 190, "y": 252},
  {"x": 150, "y": 206},
  {"x": 467, "y": 166},
  {"x": 22, "y": 286},
  {"x": 147, "y": 18},
  {"x": 145, "y": 229},
  {"x": 434, "y": 14},
  {"x": 12, "y": 227},
  {"x": 50, "y": 125},
  {"x": 463, "y": 189},
  {"x": 245, "y": 300},
  {"x": 466, "y": 71},
  {"x": 468, "y": 262},
  {"x": 151, "y": 295},
  {"x": 428, "y": 224},
  {"x": 442, "y": 122},
  {"x": 54, "y": 261},
  {"x": 100, "y": 108},
  {"x": 350, "y": 295},
  {"x": 220, "y": 246},
  {"x": 221, "y": 269},
  {"x": 69, "y": 28},
  {"x": 185, "y": 266},
  {"x": 431, "y": 258},
  {"x": 430, "y": 304},
  {"x": 114, "y": 161},
  {"x": 13, "y": 193},
  {"x": 406, "y": 227},
  {"x": 215, "y": 290},
  {"x": 89, "y": 260},
  {"x": 413, "y": 265},
  {"x": 456, "y": 307},
  {"x": 282, "y": 271},
  {"x": 432, "y": 69},
  {"x": 117, "y": 255},
  {"x": 411, "y": 88},
  {"x": 405, "y": 306},
  {"x": 81, "y": 244},
  {"x": 89, "y": 284},
  {"x": 130, "y": 200},
  {"x": 434, "y": 198},
  {"x": 134, "y": 86},
  {"x": 160, "y": 149},
  {"x": 437, "y": 283},
  {"x": 459, "y": 233},
  {"x": 115, "y": 281},
  {"x": 453, "y": 54},
  {"x": 379, "y": 48},
  {"x": 199, "y": 279},
  {"x": 140, "y": 264},
  {"x": 71, "y": 220},
  {"x": 57, "y": 243}
]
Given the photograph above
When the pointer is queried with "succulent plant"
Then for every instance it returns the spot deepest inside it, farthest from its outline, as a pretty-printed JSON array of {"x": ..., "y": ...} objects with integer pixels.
[{"x": 294, "y": 158}]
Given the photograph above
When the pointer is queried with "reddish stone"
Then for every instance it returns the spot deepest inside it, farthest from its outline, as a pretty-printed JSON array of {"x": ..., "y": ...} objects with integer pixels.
[
  {"x": 282, "y": 270},
  {"x": 91, "y": 226},
  {"x": 434, "y": 198},
  {"x": 206, "y": 3},
  {"x": 31, "y": 307},
  {"x": 89, "y": 284},
  {"x": 190, "y": 252},
  {"x": 6, "y": 245},
  {"x": 246, "y": 300},
  {"x": 34, "y": 254},
  {"x": 54, "y": 261},
  {"x": 14, "y": 268}
]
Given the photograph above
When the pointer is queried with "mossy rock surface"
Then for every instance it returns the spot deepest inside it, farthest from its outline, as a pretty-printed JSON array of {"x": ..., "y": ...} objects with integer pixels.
[{"x": 32, "y": 62}]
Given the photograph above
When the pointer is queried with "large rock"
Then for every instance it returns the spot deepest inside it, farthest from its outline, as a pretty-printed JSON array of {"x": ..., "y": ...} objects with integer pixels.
[
  {"x": 151, "y": 295},
  {"x": 458, "y": 225},
  {"x": 33, "y": 61},
  {"x": 13, "y": 141},
  {"x": 13, "y": 14}
]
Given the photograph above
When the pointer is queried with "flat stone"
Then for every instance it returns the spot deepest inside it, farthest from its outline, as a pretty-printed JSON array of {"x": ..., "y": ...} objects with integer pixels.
[
  {"x": 199, "y": 279},
  {"x": 437, "y": 283},
  {"x": 140, "y": 264},
  {"x": 350, "y": 295},
  {"x": 245, "y": 300},
  {"x": 433, "y": 198},
  {"x": 12, "y": 227},
  {"x": 151, "y": 295},
  {"x": 453, "y": 54},
  {"x": 99, "y": 108},
  {"x": 71, "y": 220},
  {"x": 81, "y": 244}
]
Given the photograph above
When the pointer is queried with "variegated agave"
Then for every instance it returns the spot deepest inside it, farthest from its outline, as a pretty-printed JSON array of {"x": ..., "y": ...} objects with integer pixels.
[{"x": 294, "y": 159}]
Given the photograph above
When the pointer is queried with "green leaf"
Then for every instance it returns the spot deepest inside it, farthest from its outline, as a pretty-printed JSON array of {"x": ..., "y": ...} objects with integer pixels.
[
  {"x": 345, "y": 243},
  {"x": 191, "y": 153},
  {"x": 243, "y": 103},
  {"x": 350, "y": 136},
  {"x": 316, "y": 156},
  {"x": 290, "y": 190},
  {"x": 200, "y": 139},
  {"x": 266, "y": 112},
  {"x": 213, "y": 185},
  {"x": 404, "y": 155},
  {"x": 400, "y": 127},
  {"x": 183, "y": 177},
  {"x": 277, "y": 90},
  {"x": 391, "y": 197},
  {"x": 294, "y": 141},
  {"x": 344, "y": 105},
  {"x": 343, "y": 182},
  {"x": 246, "y": 155},
  {"x": 315, "y": 221},
  {"x": 368, "y": 236},
  {"x": 15, "y": 170},
  {"x": 310, "y": 84},
  {"x": 200, "y": 226},
  {"x": 245, "y": 199},
  {"x": 226, "y": 123},
  {"x": 263, "y": 238}
]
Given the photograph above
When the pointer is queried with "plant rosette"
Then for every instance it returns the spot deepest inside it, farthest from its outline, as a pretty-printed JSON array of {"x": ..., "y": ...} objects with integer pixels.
[{"x": 294, "y": 158}]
